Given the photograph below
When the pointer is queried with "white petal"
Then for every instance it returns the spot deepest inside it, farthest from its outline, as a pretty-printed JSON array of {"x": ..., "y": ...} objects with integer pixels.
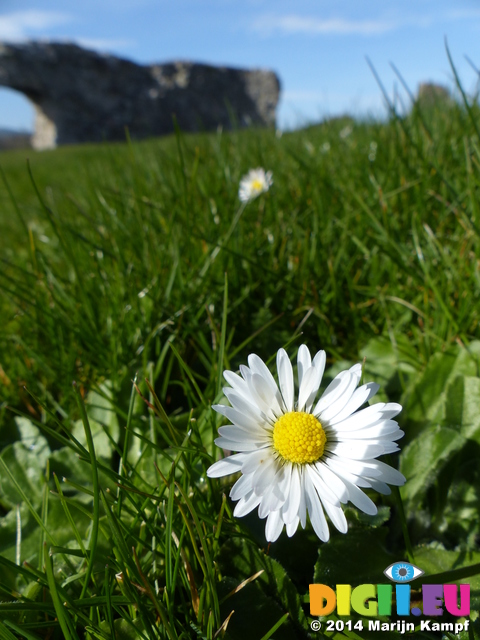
[
  {"x": 304, "y": 362},
  {"x": 226, "y": 466},
  {"x": 302, "y": 509},
  {"x": 379, "y": 486},
  {"x": 391, "y": 410},
  {"x": 383, "y": 440},
  {"x": 370, "y": 416},
  {"x": 356, "y": 496},
  {"x": 264, "y": 476},
  {"x": 241, "y": 487},
  {"x": 389, "y": 474},
  {"x": 257, "y": 365},
  {"x": 359, "y": 397},
  {"x": 245, "y": 372},
  {"x": 333, "y": 481},
  {"x": 274, "y": 498},
  {"x": 381, "y": 429},
  {"x": 319, "y": 361},
  {"x": 389, "y": 447},
  {"x": 255, "y": 459},
  {"x": 250, "y": 408},
  {"x": 274, "y": 526},
  {"x": 281, "y": 485},
  {"x": 355, "y": 449},
  {"x": 236, "y": 434},
  {"x": 323, "y": 491},
  {"x": 314, "y": 506},
  {"x": 334, "y": 408},
  {"x": 309, "y": 387},
  {"x": 230, "y": 445},
  {"x": 271, "y": 501},
  {"x": 363, "y": 418},
  {"x": 336, "y": 515},
  {"x": 351, "y": 467},
  {"x": 344, "y": 473},
  {"x": 292, "y": 503},
  {"x": 292, "y": 527},
  {"x": 285, "y": 378},
  {"x": 236, "y": 382},
  {"x": 356, "y": 370},
  {"x": 246, "y": 504},
  {"x": 319, "y": 364},
  {"x": 362, "y": 482},
  {"x": 334, "y": 390},
  {"x": 263, "y": 396},
  {"x": 242, "y": 420},
  {"x": 360, "y": 500}
]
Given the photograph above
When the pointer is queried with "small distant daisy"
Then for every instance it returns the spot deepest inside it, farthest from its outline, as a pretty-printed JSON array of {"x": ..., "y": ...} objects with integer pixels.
[
  {"x": 308, "y": 456},
  {"x": 255, "y": 182}
]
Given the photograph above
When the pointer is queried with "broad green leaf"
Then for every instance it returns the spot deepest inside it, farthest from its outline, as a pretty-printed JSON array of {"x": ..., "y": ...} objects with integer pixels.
[
  {"x": 101, "y": 409},
  {"x": 103, "y": 422},
  {"x": 33, "y": 440},
  {"x": 423, "y": 459},
  {"x": 145, "y": 472},
  {"x": 459, "y": 514},
  {"x": 27, "y": 467},
  {"x": 31, "y": 534},
  {"x": 383, "y": 360},
  {"x": 423, "y": 401},
  {"x": 101, "y": 442},
  {"x": 66, "y": 464},
  {"x": 357, "y": 516},
  {"x": 462, "y": 406}
]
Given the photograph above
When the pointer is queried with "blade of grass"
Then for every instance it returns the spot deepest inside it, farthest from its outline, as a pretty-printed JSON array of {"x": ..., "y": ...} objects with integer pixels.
[
  {"x": 221, "y": 350},
  {"x": 96, "y": 490},
  {"x": 122, "y": 465},
  {"x": 62, "y": 616},
  {"x": 276, "y": 626},
  {"x": 471, "y": 115}
]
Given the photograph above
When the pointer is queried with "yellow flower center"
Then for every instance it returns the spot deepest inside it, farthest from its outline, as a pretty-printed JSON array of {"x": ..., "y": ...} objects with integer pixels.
[
  {"x": 257, "y": 185},
  {"x": 299, "y": 437}
]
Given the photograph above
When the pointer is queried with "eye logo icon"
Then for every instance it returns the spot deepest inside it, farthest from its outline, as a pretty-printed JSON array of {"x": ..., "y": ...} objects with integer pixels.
[{"x": 403, "y": 572}]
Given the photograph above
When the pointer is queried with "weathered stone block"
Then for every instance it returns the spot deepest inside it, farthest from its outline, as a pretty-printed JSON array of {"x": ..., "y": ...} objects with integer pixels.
[{"x": 83, "y": 96}]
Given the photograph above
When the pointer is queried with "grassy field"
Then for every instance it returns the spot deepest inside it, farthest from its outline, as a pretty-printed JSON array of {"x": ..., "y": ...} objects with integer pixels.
[{"x": 132, "y": 276}]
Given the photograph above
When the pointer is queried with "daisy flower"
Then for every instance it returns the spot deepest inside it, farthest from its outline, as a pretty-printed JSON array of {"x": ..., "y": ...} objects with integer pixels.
[
  {"x": 255, "y": 182},
  {"x": 309, "y": 456}
]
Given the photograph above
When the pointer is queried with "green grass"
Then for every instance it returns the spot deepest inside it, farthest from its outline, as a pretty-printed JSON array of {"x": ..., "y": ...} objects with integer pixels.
[{"x": 136, "y": 262}]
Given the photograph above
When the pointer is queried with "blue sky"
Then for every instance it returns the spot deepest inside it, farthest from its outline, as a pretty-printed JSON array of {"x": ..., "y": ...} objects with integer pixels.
[{"x": 317, "y": 47}]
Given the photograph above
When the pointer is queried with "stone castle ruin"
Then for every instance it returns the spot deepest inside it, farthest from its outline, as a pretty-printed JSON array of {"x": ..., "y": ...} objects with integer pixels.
[{"x": 83, "y": 96}]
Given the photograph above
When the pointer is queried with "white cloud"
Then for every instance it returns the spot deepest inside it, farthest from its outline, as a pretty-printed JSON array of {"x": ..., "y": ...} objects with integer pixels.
[
  {"x": 293, "y": 24},
  {"x": 462, "y": 14},
  {"x": 21, "y": 25}
]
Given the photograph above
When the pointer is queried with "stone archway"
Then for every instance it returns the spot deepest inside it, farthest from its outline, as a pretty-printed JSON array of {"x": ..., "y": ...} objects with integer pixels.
[{"x": 83, "y": 96}]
